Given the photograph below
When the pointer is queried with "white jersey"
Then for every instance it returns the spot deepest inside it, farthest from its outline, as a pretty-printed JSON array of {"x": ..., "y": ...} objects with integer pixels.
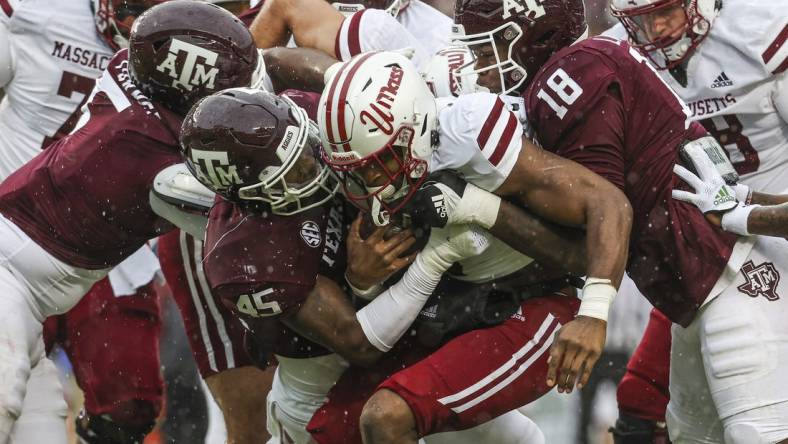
[
  {"x": 55, "y": 55},
  {"x": 737, "y": 88},
  {"x": 430, "y": 27},
  {"x": 481, "y": 139},
  {"x": 419, "y": 27}
]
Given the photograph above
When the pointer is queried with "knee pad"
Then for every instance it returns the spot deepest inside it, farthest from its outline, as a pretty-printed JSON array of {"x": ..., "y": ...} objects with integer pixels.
[
  {"x": 101, "y": 429},
  {"x": 631, "y": 430}
]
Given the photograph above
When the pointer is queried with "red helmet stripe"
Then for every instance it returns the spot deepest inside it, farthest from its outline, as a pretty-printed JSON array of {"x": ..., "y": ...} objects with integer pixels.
[
  {"x": 7, "y": 9},
  {"x": 343, "y": 96},
  {"x": 330, "y": 105}
]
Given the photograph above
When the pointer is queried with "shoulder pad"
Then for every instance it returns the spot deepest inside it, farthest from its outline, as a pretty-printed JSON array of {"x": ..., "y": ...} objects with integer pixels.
[{"x": 176, "y": 185}]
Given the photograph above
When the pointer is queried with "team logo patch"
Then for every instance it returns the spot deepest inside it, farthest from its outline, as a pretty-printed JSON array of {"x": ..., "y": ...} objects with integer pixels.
[
  {"x": 762, "y": 280},
  {"x": 310, "y": 233}
]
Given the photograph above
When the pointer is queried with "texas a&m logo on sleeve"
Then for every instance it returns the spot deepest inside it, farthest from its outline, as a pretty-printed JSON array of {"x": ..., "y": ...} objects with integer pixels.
[
  {"x": 197, "y": 67},
  {"x": 761, "y": 280}
]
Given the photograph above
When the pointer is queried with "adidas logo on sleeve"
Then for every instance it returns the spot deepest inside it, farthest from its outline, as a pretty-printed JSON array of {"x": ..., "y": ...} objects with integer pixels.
[{"x": 721, "y": 81}]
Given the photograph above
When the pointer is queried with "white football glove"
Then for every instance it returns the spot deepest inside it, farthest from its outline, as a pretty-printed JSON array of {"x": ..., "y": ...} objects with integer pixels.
[
  {"x": 452, "y": 244},
  {"x": 711, "y": 193}
]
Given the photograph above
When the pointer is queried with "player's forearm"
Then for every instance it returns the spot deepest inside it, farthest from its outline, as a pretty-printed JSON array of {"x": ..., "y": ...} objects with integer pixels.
[
  {"x": 769, "y": 221},
  {"x": 608, "y": 225},
  {"x": 768, "y": 199},
  {"x": 549, "y": 244},
  {"x": 298, "y": 68},
  {"x": 270, "y": 27}
]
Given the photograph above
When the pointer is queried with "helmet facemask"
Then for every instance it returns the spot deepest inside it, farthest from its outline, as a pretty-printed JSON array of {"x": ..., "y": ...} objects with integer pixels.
[
  {"x": 666, "y": 31},
  {"x": 511, "y": 74},
  {"x": 302, "y": 181},
  {"x": 384, "y": 181},
  {"x": 112, "y": 22}
]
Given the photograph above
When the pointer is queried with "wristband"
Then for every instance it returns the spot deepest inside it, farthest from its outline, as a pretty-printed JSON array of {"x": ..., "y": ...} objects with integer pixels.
[
  {"x": 485, "y": 206},
  {"x": 598, "y": 295},
  {"x": 743, "y": 193},
  {"x": 368, "y": 294},
  {"x": 735, "y": 220}
]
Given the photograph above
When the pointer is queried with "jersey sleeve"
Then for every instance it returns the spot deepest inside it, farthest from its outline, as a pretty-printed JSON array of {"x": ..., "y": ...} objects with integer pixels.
[
  {"x": 263, "y": 301},
  {"x": 578, "y": 114},
  {"x": 375, "y": 30},
  {"x": 772, "y": 46},
  {"x": 6, "y": 56},
  {"x": 7, "y": 8},
  {"x": 480, "y": 138}
]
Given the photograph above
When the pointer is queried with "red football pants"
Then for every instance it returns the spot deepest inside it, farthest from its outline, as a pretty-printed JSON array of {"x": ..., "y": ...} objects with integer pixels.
[
  {"x": 643, "y": 391},
  {"x": 470, "y": 380},
  {"x": 113, "y": 345}
]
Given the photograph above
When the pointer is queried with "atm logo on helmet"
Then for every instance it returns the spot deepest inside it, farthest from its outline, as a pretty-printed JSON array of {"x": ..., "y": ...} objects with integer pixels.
[
  {"x": 194, "y": 73},
  {"x": 383, "y": 103},
  {"x": 533, "y": 7},
  {"x": 214, "y": 167}
]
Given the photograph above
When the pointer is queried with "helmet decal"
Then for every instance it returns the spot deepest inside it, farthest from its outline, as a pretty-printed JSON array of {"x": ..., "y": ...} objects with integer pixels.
[{"x": 193, "y": 72}]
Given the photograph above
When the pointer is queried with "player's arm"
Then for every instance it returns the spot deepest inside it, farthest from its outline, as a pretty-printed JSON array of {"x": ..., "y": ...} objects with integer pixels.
[
  {"x": 464, "y": 203},
  {"x": 297, "y": 68},
  {"x": 567, "y": 193},
  {"x": 744, "y": 212},
  {"x": 313, "y": 24},
  {"x": 328, "y": 318}
]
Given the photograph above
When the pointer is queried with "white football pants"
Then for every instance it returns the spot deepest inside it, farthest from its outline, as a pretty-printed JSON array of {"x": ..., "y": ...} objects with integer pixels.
[
  {"x": 33, "y": 286},
  {"x": 728, "y": 368}
]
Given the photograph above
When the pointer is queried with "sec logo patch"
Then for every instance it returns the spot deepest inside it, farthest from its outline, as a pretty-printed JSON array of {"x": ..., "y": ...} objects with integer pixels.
[{"x": 310, "y": 233}]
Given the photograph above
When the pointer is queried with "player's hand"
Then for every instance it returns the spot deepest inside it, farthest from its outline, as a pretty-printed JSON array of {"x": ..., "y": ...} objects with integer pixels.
[
  {"x": 711, "y": 194},
  {"x": 452, "y": 244},
  {"x": 575, "y": 350},
  {"x": 446, "y": 199},
  {"x": 372, "y": 260}
]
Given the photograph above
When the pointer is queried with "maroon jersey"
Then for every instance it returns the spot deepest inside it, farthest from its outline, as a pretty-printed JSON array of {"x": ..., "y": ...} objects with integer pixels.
[
  {"x": 85, "y": 198},
  {"x": 263, "y": 266},
  {"x": 598, "y": 103}
]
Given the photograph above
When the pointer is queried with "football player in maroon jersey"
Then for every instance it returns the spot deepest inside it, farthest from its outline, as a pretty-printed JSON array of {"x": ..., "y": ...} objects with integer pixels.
[
  {"x": 81, "y": 206},
  {"x": 598, "y": 102}
]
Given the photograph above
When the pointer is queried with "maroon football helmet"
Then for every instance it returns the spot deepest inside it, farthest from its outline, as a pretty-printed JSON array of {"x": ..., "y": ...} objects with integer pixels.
[
  {"x": 251, "y": 145},
  {"x": 182, "y": 50},
  {"x": 530, "y": 30},
  {"x": 114, "y": 17}
]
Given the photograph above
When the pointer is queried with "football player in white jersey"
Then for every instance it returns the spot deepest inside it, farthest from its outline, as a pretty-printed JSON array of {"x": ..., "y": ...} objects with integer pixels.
[
  {"x": 315, "y": 24},
  {"x": 381, "y": 127},
  {"x": 726, "y": 60},
  {"x": 49, "y": 60}
]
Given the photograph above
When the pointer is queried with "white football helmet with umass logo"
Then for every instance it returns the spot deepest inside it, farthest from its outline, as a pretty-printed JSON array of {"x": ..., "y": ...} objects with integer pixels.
[{"x": 378, "y": 122}]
